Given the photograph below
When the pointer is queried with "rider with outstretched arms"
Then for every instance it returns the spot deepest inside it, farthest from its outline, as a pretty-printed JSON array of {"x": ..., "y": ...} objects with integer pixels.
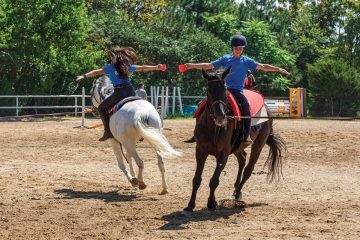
[{"x": 240, "y": 65}]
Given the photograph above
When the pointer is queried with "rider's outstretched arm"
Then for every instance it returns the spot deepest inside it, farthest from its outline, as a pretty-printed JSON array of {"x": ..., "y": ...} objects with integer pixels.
[
  {"x": 205, "y": 66},
  {"x": 270, "y": 68},
  {"x": 92, "y": 73},
  {"x": 140, "y": 68}
]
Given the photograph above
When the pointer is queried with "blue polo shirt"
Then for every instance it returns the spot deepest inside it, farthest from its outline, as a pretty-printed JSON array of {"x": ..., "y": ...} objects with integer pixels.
[
  {"x": 239, "y": 67},
  {"x": 114, "y": 75}
]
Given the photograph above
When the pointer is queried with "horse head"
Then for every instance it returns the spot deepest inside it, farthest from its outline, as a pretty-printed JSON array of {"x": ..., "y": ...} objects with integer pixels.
[
  {"x": 101, "y": 89},
  {"x": 216, "y": 95}
]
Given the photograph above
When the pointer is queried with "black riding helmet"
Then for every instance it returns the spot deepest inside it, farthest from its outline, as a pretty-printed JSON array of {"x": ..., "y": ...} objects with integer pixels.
[{"x": 238, "y": 41}]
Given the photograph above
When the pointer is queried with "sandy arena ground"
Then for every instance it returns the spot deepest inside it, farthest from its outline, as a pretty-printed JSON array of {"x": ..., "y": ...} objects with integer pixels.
[{"x": 59, "y": 182}]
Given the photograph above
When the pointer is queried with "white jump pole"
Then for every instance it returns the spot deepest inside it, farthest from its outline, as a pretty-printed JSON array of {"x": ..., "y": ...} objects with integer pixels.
[
  {"x": 174, "y": 99},
  {"x": 162, "y": 106},
  {"x": 83, "y": 108},
  {"x": 157, "y": 97},
  {"x": 152, "y": 95},
  {"x": 167, "y": 102},
  {"x": 180, "y": 103}
]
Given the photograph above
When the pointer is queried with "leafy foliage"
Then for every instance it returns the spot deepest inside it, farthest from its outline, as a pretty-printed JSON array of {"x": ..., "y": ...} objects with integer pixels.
[
  {"x": 44, "y": 44},
  {"x": 335, "y": 88},
  {"x": 264, "y": 48}
]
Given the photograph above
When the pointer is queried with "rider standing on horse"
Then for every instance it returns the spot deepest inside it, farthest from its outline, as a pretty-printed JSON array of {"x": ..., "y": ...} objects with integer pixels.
[
  {"x": 122, "y": 64},
  {"x": 240, "y": 65}
]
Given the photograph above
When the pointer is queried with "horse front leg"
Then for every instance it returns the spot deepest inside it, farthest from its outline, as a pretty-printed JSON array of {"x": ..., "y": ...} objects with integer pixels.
[
  {"x": 122, "y": 165},
  {"x": 200, "y": 163},
  {"x": 221, "y": 161}
]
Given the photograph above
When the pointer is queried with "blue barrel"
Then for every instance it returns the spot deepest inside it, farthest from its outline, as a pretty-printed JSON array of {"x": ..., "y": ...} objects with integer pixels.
[{"x": 189, "y": 110}]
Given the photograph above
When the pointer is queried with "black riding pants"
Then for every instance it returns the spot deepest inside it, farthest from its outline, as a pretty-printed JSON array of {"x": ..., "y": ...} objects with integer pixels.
[
  {"x": 245, "y": 107},
  {"x": 120, "y": 92}
]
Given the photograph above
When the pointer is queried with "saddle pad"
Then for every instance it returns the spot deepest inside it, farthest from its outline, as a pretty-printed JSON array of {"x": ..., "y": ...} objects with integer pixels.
[
  {"x": 256, "y": 101},
  {"x": 260, "y": 116}
]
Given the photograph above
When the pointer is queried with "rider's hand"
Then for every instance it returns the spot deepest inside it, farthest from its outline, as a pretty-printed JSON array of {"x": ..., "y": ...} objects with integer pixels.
[
  {"x": 158, "y": 67},
  {"x": 283, "y": 71},
  {"x": 79, "y": 78}
]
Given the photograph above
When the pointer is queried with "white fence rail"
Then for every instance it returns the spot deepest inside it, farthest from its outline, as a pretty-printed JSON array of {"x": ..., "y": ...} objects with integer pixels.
[
  {"x": 18, "y": 107},
  {"x": 276, "y": 106}
]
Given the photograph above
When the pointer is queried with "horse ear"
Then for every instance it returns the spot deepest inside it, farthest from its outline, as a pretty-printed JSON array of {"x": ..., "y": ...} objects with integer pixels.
[
  {"x": 204, "y": 73},
  {"x": 226, "y": 72}
]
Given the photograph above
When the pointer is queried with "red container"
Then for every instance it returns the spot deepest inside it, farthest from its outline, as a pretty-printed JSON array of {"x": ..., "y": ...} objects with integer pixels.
[
  {"x": 182, "y": 68},
  {"x": 163, "y": 67}
]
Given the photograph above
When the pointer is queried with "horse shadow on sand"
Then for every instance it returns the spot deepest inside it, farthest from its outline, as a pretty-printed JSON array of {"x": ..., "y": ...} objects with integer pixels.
[
  {"x": 112, "y": 196},
  {"x": 225, "y": 210}
]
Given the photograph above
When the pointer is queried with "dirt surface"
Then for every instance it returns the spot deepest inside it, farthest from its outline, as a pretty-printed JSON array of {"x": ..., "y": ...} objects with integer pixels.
[{"x": 59, "y": 182}]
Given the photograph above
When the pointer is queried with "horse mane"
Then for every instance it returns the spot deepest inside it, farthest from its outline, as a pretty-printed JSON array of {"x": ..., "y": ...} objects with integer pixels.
[
  {"x": 214, "y": 73},
  {"x": 102, "y": 88}
]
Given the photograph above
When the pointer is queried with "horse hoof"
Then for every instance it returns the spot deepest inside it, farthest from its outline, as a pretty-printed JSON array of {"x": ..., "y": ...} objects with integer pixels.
[
  {"x": 142, "y": 185},
  {"x": 212, "y": 206},
  {"x": 163, "y": 192},
  {"x": 237, "y": 198},
  {"x": 186, "y": 213},
  {"x": 134, "y": 182}
]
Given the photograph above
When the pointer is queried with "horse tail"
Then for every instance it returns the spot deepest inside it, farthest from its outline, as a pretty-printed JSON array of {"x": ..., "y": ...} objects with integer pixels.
[
  {"x": 155, "y": 138},
  {"x": 275, "y": 158}
]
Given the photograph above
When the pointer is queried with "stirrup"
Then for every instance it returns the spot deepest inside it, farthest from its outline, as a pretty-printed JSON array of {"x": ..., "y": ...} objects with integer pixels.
[{"x": 106, "y": 136}]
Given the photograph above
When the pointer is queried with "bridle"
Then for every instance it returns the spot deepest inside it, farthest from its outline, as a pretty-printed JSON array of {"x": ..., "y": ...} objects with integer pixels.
[{"x": 210, "y": 107}]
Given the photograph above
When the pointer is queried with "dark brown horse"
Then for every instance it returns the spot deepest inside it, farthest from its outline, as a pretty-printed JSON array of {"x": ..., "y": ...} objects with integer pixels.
[{"x": 213, "y": 133}]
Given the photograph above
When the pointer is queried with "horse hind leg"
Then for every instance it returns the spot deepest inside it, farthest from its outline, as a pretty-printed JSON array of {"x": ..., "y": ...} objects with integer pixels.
[
  {"x": 241, "y": 157},
  {"x": 122, "y": 165},
  {"x": 162, "y": 171},
  {"x": 130, "y": 148},
  {"x": 254, "y": 156},
  {"x": 129, "y": 161}
]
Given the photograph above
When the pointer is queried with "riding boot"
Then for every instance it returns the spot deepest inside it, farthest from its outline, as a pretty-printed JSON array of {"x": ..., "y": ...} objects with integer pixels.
[
  {"x": 190, "y": 140},
  {"x": 105, "y": 119},
  {"x": 248, "y": 141},
  {"x": 247, "y": 126}
]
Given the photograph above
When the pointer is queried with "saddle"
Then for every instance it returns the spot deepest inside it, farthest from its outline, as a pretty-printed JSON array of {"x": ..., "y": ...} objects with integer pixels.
[{"x": 122, "y": 103}]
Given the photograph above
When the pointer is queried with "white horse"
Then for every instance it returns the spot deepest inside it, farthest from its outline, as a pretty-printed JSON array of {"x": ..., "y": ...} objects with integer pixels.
[{"x": 135, "y": 120}]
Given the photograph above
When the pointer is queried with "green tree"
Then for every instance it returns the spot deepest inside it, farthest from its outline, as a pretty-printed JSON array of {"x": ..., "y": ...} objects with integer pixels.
[
  {"x": 45, "y": 47},
  {"x": 349, "y": 38},
  {"x": 334, "y": 87},
  {"x": 307, "y": 42},
  {"x": 274, "y": 13},
  {"x": 221, "y": 25},
  {"x": 48, "y": 45},
  {"x": 263, "y": 46},
  {"x": 144, "y": 10},
  {"x": 196, "y": 10}
]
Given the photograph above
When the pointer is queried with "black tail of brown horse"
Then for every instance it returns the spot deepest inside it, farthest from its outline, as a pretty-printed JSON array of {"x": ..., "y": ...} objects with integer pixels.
[{"x": 274, "y": 161}]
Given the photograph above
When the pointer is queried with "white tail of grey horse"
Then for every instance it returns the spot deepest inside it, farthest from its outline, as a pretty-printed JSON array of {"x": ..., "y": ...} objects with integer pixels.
[{"x": 155, "y": 138}]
